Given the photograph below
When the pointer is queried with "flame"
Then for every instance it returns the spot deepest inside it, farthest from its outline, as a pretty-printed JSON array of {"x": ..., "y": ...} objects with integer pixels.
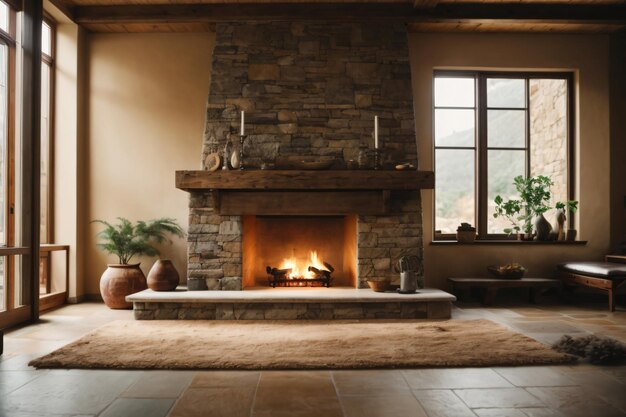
[{"x": 300, "y": 267}]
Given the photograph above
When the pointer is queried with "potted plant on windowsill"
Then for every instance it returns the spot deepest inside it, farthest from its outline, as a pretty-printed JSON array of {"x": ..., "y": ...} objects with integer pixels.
[
  {"x": 526, "y": 213},
  {"x": 126, "y": 240}
]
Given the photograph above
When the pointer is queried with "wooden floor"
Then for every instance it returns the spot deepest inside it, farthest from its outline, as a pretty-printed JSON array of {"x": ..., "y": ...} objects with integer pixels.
[{"x": 578, "y": 390}]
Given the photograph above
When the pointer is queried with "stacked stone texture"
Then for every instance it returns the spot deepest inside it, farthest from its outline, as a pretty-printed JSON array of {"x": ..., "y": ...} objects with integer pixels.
[
  {"x": 548, "y": 112},
  {"x": 308, "y": 89}
]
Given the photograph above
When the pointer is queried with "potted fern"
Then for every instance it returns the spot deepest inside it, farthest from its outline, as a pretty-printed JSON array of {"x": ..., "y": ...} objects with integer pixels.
[{"x": 127, "y": 240}]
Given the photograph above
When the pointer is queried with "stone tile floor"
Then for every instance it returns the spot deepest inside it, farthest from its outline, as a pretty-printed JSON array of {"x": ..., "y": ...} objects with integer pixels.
[{"x": 575, "y": 390}]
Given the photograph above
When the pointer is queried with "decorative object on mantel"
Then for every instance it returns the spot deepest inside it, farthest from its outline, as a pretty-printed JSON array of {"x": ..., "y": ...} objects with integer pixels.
[
  {"x": 126, "y": 240},
  {"x": 465, "y": 233},
  {"x": 339, "y": 344},
  {"x": 379, "y": 285},
  {"x": 364, "y": 157},
  {"x": 163, "y": 276},
  {"x": 408, "y": 267},
  {"x": 227, "y": 153},
  {"x": 405, "y": 165},
  {"x": 242, "y": 139},
  {"x": 508, "y": 271},
  {"x": 352, "y": 164},
  {"x": 212, "y": 162}
]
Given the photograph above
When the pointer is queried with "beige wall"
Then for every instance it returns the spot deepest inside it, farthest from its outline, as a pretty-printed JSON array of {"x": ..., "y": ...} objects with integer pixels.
[
  {"x": 588, "y": 56},
  {"x": 147, "y": 95}
]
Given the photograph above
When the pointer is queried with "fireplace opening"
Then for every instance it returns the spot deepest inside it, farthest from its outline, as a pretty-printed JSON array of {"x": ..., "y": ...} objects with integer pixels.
[{"x": 299, "y": 251}]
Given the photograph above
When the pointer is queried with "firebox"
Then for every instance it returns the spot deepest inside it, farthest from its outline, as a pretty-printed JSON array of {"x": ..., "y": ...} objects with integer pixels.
[{"x": 299, "y": 251}]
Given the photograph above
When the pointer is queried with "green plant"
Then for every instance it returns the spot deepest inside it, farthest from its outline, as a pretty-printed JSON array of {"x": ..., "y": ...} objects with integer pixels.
[
  {"x": 534, "y": 195},
  {"x": 570, "y": 205},
  {"x": 126, "y": 239}
]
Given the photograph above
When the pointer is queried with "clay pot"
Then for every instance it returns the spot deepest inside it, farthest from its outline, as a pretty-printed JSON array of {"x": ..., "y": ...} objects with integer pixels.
[
  {"x": 118, "y": 281},
  {"x": 163, "y": 276}
]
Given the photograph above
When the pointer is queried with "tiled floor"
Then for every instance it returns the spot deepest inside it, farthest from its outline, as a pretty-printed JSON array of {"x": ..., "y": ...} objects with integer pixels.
[{"x": 578, "y": 390}]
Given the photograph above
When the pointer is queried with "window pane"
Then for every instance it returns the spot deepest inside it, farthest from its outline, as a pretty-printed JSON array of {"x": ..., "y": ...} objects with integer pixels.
[
  {"x": 506, "y": 128},
  {"x": 503, "y": 167},
  {"x": 45, "y": 152},
  {"x": 4, "y": 17},
  {"x": 454, "y": 127},
  {"x": 548, "y": 133},
  {"x": 454, "y": 92},
  {"x": 3, "y": 284},
  {"x": 46, "y": 39},
  {"x": 454, "y": 189},
  {"x": 504, "y": 92},
  {"x": 4, "y": 64}
]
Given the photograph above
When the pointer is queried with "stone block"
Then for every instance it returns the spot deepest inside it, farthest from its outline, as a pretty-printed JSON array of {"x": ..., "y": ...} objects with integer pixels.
[
  {"x": 348, "y": 311},
  {"x": 230, "y": 227},
  {"x": 144, "y": 314},
  {"x": 213, "y": 284},
  {"x": 382, "y": 264},
  {"x": 367, "y": 240},
  {"x": 249, "y": 311},
  {"x": 225, "y": 311},
  {"x": 439, "y": 309},
  {"x": 233, "y": 269},
  {"x": 285, "y": 311},
  {"x": 166, "y": 314},
  {"x": 231, "y": 283},
  {"x": 196, "y": 284},
  {"x": 262, "y": 72}
]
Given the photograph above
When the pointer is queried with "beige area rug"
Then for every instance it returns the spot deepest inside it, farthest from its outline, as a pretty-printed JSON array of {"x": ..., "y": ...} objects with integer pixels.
[{"x": 299, "y": 345}]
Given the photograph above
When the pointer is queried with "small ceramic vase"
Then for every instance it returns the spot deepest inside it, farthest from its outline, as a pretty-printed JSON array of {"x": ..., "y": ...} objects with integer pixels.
[
  {"x": 542, "y": 228},
  {"x": 560, "y": 221},
  {"x": 234, "y": 159}
]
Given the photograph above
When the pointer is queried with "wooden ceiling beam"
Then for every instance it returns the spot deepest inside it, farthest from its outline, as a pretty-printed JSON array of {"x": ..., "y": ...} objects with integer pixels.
[
  {"x": 425, "y": 4},
  {"x": 237, "y": 12}
]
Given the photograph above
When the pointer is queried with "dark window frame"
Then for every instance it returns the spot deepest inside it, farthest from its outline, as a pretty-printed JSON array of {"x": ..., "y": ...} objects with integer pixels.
[{"x": 481, "y": 145}]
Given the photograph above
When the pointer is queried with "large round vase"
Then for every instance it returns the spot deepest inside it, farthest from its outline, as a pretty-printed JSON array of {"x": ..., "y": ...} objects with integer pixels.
[
  {"x": 163, "y": 276},
  {"x": 543, "y": 228},
  {"x": 118, "y": 281}
]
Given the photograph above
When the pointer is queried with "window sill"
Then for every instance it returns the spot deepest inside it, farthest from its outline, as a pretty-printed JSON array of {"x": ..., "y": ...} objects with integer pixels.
[{"x": 508, "y": 242}]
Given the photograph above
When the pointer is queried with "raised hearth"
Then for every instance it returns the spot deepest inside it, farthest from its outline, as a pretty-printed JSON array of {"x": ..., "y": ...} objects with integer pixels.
[{"x": 290, "y": 304}]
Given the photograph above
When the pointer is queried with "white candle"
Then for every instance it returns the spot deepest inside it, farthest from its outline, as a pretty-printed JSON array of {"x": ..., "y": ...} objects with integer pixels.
[
  {"x": 376, "y": 132},
  {"x": 242, "y": 122}
]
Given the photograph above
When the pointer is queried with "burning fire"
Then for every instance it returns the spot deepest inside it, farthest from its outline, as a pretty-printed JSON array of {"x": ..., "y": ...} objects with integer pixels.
[{"x": 300, "y": 267}]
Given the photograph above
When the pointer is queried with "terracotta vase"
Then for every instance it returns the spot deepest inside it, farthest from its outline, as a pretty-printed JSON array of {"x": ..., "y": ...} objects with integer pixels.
[
  {"x": 118, "y": 281},
  {"x": 163, "y": 276}
]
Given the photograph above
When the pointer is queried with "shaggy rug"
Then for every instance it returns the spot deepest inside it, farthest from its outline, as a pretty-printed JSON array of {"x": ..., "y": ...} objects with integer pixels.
[{"x": 299, "y": 345}]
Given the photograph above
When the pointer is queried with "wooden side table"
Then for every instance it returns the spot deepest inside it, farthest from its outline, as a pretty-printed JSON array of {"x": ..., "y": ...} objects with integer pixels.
[{"x": 492, "y": 285}]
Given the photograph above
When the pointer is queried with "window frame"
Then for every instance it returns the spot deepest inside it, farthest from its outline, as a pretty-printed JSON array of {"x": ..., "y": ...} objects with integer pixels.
[
  {"x": 50, "y": 60},
  {"x": 481, "y": 143}
]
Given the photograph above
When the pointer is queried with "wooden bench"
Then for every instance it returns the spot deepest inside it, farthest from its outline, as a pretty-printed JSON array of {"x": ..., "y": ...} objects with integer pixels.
[
  {"x": 492, "y": 285},
  {"x": 608, "y": 276}
]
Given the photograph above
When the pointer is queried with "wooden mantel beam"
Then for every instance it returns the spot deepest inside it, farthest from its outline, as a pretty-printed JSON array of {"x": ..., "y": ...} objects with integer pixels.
[
  {"x": 259, "y": 180},
  {"x": 424, "y": 4}
]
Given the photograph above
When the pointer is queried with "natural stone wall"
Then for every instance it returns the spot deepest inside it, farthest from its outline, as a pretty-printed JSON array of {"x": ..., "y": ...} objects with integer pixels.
[
  {"x": 309, "y": 89},
  {"x": 548, "y": 133},
  {"x": 292, "y": 311}
]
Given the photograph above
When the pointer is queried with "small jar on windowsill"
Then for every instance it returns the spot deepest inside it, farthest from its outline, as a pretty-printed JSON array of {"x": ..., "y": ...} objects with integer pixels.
[{"x": 465, "y": 233}]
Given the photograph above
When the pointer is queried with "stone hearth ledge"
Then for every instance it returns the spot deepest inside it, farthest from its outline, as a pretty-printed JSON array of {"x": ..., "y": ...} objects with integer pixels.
[{"x": 291, "y": 304}]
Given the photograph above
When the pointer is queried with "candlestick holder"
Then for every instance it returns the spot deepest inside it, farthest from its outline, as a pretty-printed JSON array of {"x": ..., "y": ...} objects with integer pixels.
[
  {"x": 242, "y": 139},
  {"x": 378, "y": 159}
]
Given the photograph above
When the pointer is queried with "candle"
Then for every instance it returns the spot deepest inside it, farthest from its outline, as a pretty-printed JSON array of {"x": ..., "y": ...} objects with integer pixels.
[
  {"x": 242, "y": 122},
  {"x": 376, "y": 132}
]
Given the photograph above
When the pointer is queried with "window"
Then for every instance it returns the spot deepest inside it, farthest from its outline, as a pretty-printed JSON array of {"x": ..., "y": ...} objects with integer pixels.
[
  {"x": 8, "y": 285},
  {"x": 489, "y": 128},
  {"x": 47, "y": 96}
]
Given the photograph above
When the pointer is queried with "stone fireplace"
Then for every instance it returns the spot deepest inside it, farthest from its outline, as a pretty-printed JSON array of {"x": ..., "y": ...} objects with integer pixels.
[{"x": 309, "y": 89}]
